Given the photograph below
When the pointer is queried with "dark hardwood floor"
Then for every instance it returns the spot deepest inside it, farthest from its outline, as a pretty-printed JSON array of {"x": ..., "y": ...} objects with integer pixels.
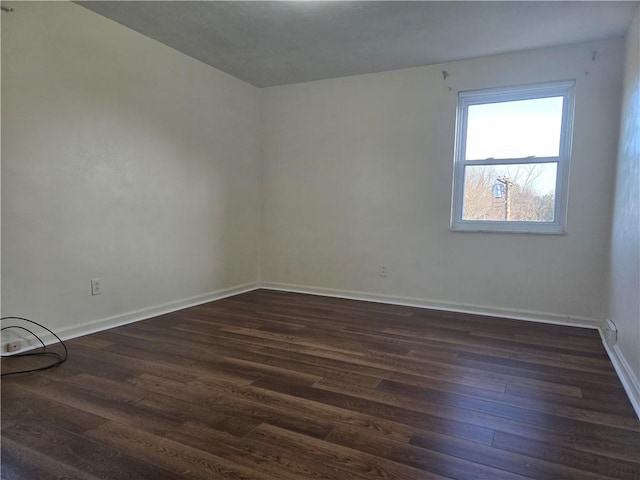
[{"x": 269, "y": 385}]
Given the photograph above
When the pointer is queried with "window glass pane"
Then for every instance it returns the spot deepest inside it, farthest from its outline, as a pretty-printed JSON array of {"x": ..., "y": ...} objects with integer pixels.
[
  {"x": 522, "y": 193},
  {"x": 517, "y": 129}
]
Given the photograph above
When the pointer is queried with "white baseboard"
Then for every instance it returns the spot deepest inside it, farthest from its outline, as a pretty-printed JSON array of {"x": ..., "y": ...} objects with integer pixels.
[
  {"x": 149, "y": 312},
  {"x": 145, "y": 313},
  {"x": 515, "y": 314},
  {"x": 94, "y": 326},
  {"x": 629, "y": 381}
]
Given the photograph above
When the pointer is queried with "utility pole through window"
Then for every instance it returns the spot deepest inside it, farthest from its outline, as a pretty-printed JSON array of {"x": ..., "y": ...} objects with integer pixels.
[{"x": 507, "y": 197}]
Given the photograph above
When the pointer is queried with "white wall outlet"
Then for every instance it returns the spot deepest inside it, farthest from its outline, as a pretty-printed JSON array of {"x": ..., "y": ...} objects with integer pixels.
[
  {"x": 96, "y": 286},
  {"x": 610, "y": 332},
  {"x": 14, "y": 346},
  {"x": 382, "y": 270}
]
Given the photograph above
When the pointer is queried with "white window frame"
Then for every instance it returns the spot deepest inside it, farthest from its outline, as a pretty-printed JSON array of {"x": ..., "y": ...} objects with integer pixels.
[{"x": 565, "y": 89}]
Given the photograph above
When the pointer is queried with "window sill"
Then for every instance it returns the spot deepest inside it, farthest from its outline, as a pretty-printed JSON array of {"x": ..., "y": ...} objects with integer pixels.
[{"x": 499, "y": 227}]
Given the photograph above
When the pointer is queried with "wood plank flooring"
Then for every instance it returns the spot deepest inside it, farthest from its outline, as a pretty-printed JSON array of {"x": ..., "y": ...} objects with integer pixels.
[{"x": 280, "y": 386}]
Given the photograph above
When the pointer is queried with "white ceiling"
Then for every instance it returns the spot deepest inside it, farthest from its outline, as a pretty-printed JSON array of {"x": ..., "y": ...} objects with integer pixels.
[{"x": 272, "y": 43}]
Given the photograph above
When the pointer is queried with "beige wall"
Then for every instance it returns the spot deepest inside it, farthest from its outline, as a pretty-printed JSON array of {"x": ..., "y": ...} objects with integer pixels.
[
  {"x": 121, "y": 159},
  {"x": 126, "y": 160},
  {"x": 624, "y": 272},
  {"x": 357, "y": 173}
]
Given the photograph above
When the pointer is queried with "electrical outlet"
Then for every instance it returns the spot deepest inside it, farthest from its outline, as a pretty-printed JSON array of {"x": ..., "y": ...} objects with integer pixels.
[
  {"x": 14, "y": 346},
  {"x": 96, "y": 287},
  {"x": 382, "y": 270},
  {"x": 610, "y": 332}
]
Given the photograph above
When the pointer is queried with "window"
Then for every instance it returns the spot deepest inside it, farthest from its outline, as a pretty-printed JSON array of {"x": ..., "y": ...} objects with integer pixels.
[{"x": 512, "y": 155}]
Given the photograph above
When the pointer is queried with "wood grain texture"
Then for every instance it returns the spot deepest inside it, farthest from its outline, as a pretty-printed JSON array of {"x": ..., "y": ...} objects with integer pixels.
[{"x": 272, "y": 385}]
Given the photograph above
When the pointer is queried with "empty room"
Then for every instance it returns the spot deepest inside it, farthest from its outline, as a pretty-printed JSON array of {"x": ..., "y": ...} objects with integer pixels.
[{"x": 328, "y": 240}]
